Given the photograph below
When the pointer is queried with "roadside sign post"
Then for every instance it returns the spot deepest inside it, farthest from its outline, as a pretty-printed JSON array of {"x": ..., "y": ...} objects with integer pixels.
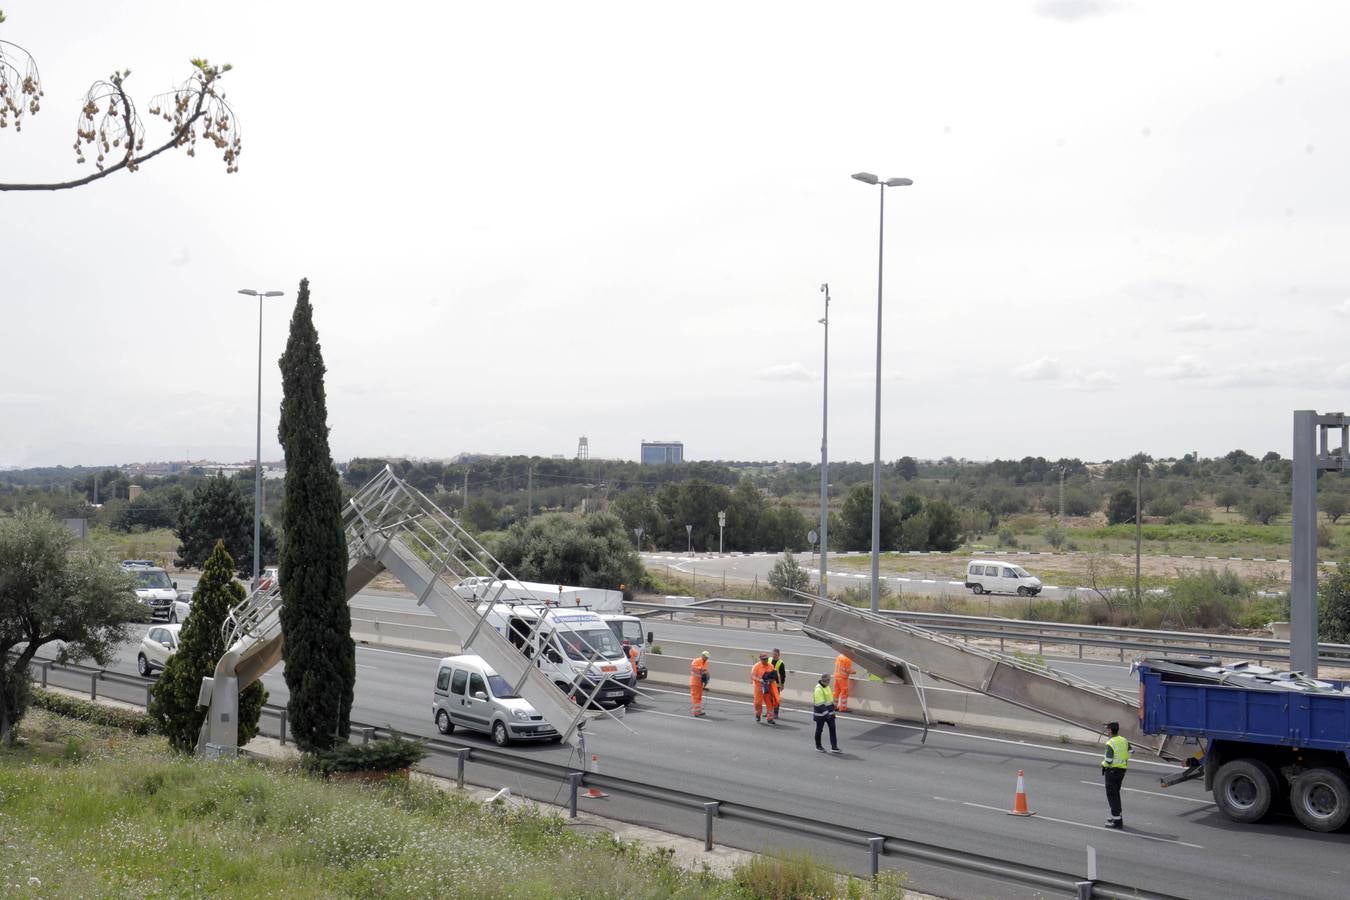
[{"x": 721, "y": 524}]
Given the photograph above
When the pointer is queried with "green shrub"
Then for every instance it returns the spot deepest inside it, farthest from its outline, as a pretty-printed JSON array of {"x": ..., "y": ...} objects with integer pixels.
[
  {"x": 392, "y": 755},
  {"x": 94, "y": 713},
  {"x": 789, "y": 875},
  {"x": 1007, "y": 538}
]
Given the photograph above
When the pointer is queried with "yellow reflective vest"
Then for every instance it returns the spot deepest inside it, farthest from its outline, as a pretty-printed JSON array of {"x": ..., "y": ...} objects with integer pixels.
[{"x": 1117, "y": 753}]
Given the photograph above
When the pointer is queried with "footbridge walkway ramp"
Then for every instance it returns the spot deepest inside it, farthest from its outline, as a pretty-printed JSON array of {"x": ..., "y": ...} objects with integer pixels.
[
  {"x": 884, "y": 644},
  {"x": 392, "y": 527}
]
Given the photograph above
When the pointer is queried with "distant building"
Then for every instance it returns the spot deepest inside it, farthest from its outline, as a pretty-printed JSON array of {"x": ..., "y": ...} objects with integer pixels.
[{"x": 656, "y": 453}]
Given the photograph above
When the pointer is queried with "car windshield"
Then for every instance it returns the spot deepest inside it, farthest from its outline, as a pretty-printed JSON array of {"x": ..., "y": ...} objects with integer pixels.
[
  {"x": 501, "y": 688},
  {"x": 154, "y": 579},
  {"x": 585, "y": 643},
  {"x": 1021, "y": 572}
]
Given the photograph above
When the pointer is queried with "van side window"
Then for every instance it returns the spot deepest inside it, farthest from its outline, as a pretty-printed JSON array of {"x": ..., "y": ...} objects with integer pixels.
[
  {"x": 443, "y": 679},
  {"x": 1009, "y": 573},
  {"x": 977, "y": 570},
  {"x": 476, "y": 685},
  {"x": 457, "y": 686}
]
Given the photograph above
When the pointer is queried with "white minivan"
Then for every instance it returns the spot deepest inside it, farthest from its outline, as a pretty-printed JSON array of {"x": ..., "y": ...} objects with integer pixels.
[
  {"x": 469, "y": 694},
  {"x": 570, "y": 645},
  {"x": 989, "y": 576},
  {"x": 629, "y": 628}
]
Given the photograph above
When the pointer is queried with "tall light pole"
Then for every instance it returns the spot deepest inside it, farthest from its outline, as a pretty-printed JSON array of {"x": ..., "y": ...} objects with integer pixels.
[
  {"x": 824, "y": 453},
  {"x": 869, "y": 178},
  {"x": 257, "y": 458}
]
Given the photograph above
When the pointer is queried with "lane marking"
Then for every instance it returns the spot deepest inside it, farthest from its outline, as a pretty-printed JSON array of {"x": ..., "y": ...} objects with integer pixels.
[
  {"x": 1199, "y": 800},
  {"x": 1044, "y": 818},
  {"x": 1095, "y": 754}
]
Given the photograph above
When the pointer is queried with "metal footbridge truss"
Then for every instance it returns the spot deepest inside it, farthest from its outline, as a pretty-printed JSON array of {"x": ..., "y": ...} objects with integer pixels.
[
  {"x": 885, "y": 644},
  {"x": 393, "y": 526}
]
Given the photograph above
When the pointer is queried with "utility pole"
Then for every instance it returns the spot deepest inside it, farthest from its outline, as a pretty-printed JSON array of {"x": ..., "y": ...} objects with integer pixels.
[
  {"x": 1061, "y": 491},
  {"x": 466, "y": 492},
  {"x": 529, "y": 492},
  {"x": 1138, "y": 527}
]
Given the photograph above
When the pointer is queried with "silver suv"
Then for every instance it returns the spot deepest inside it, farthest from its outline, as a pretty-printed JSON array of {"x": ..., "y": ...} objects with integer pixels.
[{"x": 154, "y": 588}]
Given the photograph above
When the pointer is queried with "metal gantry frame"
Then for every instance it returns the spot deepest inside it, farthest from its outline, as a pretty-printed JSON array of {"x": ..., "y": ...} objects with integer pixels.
[{"x": 1312, "y": 457}]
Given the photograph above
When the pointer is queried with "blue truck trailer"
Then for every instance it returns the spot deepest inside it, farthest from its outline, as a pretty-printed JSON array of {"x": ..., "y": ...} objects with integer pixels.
[{"x": 1266, "y": 741}]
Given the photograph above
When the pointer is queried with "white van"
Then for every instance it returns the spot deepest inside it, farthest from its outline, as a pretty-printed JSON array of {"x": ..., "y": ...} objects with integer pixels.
[
  {"x": 596, "y": 599},
  {"x": 568, "y": 645},
  {"x": 469, "y": 694},
  {"x": 989, "y": 576},
  {"x": 629, "y": 628}
]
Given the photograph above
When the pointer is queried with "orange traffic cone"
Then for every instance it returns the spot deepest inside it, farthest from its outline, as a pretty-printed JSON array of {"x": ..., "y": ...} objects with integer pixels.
[
  {"x": 593, "y": 793},
  {"x": 1020, "y": 800}
]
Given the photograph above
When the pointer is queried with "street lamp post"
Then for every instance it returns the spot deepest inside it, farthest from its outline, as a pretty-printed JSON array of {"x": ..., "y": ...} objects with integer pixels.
[
  {"x": 257, "y": 459},
  {"x": 869, "y": 178},
  {"x": 824, "y": 453}
]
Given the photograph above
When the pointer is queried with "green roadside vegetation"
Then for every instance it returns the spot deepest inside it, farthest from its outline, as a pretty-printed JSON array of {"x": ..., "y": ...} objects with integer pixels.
[{"x": 88, "y": 810}]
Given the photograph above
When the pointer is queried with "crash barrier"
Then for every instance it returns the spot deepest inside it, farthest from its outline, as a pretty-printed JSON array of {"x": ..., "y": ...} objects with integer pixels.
[{"x": 1018, "y": 631}]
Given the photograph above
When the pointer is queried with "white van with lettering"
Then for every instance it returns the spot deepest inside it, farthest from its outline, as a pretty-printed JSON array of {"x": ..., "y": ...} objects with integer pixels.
[
  {"x": 989, "y": 576},
  {"x": 568, "y": 645},
  {"x": 470, "y": 695}
]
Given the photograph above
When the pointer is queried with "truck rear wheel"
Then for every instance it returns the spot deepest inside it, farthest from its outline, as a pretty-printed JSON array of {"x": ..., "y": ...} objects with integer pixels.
[
  {"x": 1321, "y": 799},
  {"x": 1243, "y": 789}
]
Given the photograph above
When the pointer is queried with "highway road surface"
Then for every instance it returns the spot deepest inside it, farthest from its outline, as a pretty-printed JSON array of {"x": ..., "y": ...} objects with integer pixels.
[{"x": 953, "y": 789}]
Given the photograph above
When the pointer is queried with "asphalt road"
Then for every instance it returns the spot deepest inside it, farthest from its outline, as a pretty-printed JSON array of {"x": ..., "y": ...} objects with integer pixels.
[
  {"x": 952, "y": 789},
  {"x": 748, "y": 569}
]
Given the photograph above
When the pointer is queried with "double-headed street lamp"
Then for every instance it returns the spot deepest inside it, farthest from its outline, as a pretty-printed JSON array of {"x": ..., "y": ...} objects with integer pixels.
[
  {"x": 257, "y": 461},
  {"x": 869, "y": 178}
]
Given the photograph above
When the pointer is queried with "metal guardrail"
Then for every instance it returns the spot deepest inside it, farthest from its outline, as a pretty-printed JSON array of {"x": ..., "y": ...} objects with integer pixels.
[
  {"x": 876, "y": 845},
  {"x": 1019, "y": 630}
]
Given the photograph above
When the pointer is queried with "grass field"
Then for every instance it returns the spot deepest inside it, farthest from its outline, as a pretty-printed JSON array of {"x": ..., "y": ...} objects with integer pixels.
[{"x": 88, "y": 811}]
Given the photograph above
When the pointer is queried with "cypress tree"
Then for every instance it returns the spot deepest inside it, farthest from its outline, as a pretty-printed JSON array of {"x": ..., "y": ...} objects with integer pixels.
[
  {"x": 200, "y": 646},
  {"x": 318, "y": 648}
]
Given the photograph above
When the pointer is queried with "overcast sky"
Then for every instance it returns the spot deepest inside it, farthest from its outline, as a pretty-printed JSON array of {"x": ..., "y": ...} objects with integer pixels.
[{"x": 524, "y": 223}]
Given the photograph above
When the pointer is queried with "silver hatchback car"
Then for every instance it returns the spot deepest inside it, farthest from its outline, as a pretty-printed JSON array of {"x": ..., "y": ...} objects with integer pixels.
[{"x": 160, "y": 642}]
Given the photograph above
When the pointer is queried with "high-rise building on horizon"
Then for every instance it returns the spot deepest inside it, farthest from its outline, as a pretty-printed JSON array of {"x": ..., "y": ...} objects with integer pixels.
[{"x": 656, "y": 453}]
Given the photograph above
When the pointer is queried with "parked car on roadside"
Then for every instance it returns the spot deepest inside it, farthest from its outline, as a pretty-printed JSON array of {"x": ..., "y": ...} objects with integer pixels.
[
  {"x": 180, "y": 608},
  {"x": 160, "y": 642},
  {"x": 990, "y": 576}
]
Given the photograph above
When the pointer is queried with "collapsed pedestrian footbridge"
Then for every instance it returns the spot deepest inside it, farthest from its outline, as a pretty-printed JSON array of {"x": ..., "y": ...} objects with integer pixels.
[
  {"x": 885, "y": 644},
  {"x": 391, "y": 526}
]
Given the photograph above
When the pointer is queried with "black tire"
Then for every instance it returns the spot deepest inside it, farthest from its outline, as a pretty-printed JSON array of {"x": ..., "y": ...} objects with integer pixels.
[
  {"x": 1321, "y": 799},
  {"x": 500, "y": 736},
  {"x": 1025, "y": 591},
  {"x": 1244, "y": 789},
  {"x": 977, "y": 588},
  {"x": 443, "y": 723},
  {"x": 143, "y": 666}
]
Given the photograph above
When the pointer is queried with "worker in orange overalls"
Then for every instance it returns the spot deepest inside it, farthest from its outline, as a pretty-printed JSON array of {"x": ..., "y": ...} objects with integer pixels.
[
  {"x": 698, "y": 678},
  {"x": 764, "y": 679},
  {"x": 843, "y": 671}
]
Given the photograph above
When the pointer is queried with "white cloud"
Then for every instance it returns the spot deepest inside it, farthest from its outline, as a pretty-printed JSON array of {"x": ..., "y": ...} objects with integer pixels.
[
  {"x": 786, "y": 372},
  {"x": 1342, "y": 308},
  {"x": 1046, "y": 368},
  {"x": 1093, "y": 381},
  {"x": 1075, "y": 10},
  {"x": 1184, "y": 368}
]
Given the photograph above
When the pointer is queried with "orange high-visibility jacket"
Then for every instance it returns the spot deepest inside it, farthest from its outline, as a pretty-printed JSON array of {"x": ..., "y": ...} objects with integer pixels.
[
  {"x": 843, "y": 666},
  {"x": 697, "y": 668},
  {"x": 758, "y": 672}
]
